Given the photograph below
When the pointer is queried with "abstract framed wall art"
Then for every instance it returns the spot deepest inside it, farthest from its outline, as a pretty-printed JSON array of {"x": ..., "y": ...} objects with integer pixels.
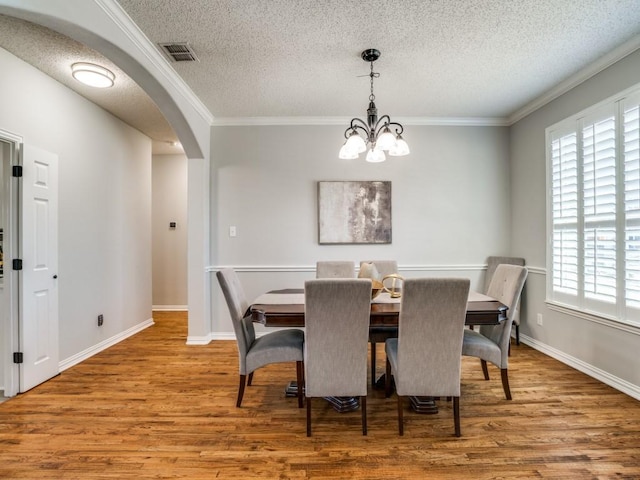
[{"x": 354, "y": 212}]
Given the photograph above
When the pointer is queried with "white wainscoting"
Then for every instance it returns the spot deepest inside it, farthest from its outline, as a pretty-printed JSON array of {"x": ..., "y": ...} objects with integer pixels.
[{"x": 586, "y": 368}]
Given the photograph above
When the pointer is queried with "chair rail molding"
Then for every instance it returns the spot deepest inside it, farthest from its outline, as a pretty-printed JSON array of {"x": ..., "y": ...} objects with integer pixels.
[{"x": 312, "y": 268}]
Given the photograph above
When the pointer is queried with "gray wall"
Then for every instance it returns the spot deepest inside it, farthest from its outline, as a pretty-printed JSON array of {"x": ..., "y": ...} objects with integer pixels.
[
  {"x": 104, "y": 204},
  {"x": 169, "y": 204},
  {"x": 604, "y": 349},
  {"x": 450, "y": 202}
]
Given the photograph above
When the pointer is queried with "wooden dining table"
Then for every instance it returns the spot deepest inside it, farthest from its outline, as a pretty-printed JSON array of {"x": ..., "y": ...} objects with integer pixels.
[{"x": 285, "y": 308}]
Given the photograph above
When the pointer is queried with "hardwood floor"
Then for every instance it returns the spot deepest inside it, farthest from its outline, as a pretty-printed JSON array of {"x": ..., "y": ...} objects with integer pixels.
[{"x": 153, "y": 407}]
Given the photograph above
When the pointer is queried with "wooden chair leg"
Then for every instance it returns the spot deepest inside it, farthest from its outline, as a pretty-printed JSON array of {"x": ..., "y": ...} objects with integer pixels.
[
  {"x": 485, "y": 371},
  {"x": 400, "y": 419},
  {"x": 517, "y": 334},
  {"x": 250, "y": 379},
  {"x": 300, "y": 381},
  {"x": 456, "y": 415},
  {"x": 505, "y": 383},
  {"x": 241, "y": 390},
  {"x": 373, "y": 364},
  {"x": 363, "y": 407},
  {"x": 308, "y": 399},
  {"x": 387, "y": 380}
]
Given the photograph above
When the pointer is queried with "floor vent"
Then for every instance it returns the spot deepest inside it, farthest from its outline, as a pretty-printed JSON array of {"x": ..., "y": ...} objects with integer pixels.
[{"x": 179, "y": 52}]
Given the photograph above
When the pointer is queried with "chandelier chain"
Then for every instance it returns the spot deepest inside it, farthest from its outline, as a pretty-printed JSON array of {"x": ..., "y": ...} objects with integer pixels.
[{"x": 373, "y": 75}]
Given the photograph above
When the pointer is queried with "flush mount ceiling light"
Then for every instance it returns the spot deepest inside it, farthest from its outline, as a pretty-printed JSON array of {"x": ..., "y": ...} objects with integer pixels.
[
  {"x": 378, "y": 136},
  {"x": 92, "y": 75}
]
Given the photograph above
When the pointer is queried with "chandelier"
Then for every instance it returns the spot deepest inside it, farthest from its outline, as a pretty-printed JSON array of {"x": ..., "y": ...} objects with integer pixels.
[{"x": 378, "y": 136}]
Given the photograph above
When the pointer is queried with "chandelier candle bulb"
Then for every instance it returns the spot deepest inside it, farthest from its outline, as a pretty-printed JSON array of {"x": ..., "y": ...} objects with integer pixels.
[{"x": 378, "y": 134}]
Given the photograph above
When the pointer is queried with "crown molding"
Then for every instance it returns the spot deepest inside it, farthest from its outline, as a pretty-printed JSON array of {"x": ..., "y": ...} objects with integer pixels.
[
  {"x": 124, "y": 22},
  {"x": 573, "y": 81},
  {"x": 344, "y": 121}
]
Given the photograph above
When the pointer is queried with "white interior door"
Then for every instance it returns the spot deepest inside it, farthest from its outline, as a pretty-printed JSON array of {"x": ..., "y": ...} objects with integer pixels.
[{"x": 39, "y": 253}]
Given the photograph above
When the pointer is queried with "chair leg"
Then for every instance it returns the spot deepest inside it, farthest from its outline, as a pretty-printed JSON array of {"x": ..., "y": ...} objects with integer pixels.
[
  {"x": 400, "y": 419},
  {"x": 387, "y": 380},
  {"x": 363, "y": 407},
  {"x": 517, "y": 334},
  {"x": 373, "y": 364},
  {"x": 485, "y": 371},
  {"x": 300, "y": 381},
  {"x": 505, "y": 383},
  {"x": 456, "y": 415},
  {"x": 241, "y": 390},
  {"x": 250, "y": 379},
  {"x": 308, "y": 416}
]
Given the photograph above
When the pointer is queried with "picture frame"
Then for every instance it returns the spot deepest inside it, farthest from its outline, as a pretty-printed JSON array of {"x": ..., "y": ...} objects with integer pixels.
[{"x": 354, "y": 212}]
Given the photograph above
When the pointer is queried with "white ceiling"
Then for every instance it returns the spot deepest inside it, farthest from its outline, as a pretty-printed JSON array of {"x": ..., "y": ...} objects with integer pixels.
[{"x": 485, "y": 59}]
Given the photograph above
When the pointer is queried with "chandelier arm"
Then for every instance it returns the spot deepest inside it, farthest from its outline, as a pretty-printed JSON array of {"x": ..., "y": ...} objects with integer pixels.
[
  {"x": 399, "y": 125},
  {"x": 358, "y": 123},
  {"x": 384, "y": 120}
]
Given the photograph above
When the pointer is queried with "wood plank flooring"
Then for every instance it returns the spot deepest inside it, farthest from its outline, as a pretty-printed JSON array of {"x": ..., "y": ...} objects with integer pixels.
[{"x": 152, "y": 407}]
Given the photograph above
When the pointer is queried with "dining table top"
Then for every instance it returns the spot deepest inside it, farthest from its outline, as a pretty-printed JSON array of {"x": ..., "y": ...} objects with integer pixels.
[{"x": 285, "y": 308}]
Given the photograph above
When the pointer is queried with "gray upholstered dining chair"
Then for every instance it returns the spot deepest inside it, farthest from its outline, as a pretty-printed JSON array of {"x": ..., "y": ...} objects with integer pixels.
[
  {"x": 335, "y": 269},
  {"x": 425, "y": 359},
  {"x": 491, "y": 342},
  {"x": 275, "y": 347},
  {"x": 492, "y": 264},
  {"x": 380, "y": 334},
  {"x": 335, "y": 347}
]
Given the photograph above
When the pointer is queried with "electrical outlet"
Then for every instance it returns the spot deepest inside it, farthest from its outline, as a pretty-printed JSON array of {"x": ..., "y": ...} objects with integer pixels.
[
  {"x": 100, "y": 320},
  {"x": 539, "y": 319},
  {"x": 232, "y": 231}
]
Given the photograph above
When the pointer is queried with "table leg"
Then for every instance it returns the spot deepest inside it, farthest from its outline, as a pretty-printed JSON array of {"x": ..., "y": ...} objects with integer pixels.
[
  {"x": 423, "y": 405},
  {"x": 339, "y": 404}
]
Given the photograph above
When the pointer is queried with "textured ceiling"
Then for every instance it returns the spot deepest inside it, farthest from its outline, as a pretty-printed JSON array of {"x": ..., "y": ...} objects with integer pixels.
[
  {"x": 301, "y": 58},
  {"x": 448, "y": 58},
  {"x": 53, "y": 54}
]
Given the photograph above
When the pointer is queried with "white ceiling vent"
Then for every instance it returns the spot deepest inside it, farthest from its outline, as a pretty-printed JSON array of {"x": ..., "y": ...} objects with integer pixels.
[{"x": 179, "y": 52}]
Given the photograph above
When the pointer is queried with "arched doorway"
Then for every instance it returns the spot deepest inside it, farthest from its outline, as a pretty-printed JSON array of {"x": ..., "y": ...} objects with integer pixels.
[{"x": 99, "y": 25}]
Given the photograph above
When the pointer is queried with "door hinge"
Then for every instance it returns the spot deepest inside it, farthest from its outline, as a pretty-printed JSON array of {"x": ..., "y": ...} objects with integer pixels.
[
  {"x": 18, "y": 357},
  {"x": 17, "y": 171},
  {"x": 17, "y": 264}
]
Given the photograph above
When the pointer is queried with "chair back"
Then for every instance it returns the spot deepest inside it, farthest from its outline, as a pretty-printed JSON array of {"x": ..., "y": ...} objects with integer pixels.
[
  {"x": 506, "y": 287},
  {"x": 492, "y": 264},
  {"x": 335, "y": 269},
  {"x": 336, "y": 336},
  {"x": 238, "y": 305},
  {"x": 430, "y": 331}
]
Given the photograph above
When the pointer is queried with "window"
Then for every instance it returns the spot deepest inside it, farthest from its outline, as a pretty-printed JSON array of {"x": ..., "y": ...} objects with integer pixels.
[{"x": 593, "y": 165}]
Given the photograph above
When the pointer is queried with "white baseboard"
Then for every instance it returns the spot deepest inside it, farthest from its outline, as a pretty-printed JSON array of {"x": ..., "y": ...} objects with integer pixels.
[
  {"x": 586, "y": 368},
  {"x": 170, "y": 308},
  {"x": 91, "y": 351}
]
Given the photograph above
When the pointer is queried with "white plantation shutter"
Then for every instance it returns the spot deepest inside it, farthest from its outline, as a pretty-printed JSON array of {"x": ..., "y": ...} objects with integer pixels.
[
  {"x": 594, "y": 210},
  {"x": 631, "y": 153},
  {"x": 564, "y": 157},
  {"x": 599, "y": 184}
]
